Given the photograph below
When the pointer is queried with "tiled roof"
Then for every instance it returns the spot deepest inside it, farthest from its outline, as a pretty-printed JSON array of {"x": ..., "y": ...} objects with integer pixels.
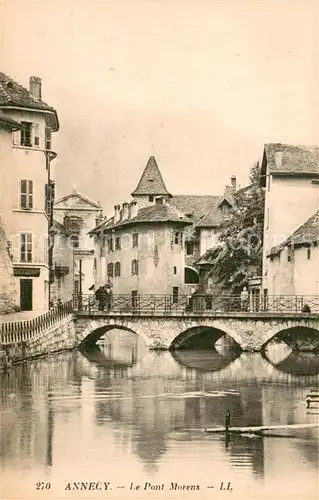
[
  {"x": 7, "y": 122},
  {"x": 13, "y": 94},
  {"x": 203, "y": 210},
  {"x": 151, "y": 181},
  {"x": 295, "y": 160},
  {"x": 58, "y": 227},
  {"x": 153, "y": 214},
  {"x": 306, "y": 234}
]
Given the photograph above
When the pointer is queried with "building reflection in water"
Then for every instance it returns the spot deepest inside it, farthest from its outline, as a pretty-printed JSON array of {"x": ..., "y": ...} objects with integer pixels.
[{"x": 153, "y": 406}]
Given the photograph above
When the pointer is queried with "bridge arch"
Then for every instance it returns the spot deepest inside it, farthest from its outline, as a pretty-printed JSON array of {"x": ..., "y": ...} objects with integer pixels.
[
  {"x": 95, "y": 329},
  {"x": 300, "y": 336},
  {"x": 214, "y": 330}
]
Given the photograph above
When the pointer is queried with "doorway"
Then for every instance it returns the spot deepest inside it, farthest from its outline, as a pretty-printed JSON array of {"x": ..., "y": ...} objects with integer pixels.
[{"x": 26, "y": 295}]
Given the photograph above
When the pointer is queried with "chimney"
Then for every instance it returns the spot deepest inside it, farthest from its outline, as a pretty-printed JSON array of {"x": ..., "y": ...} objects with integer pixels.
[
  {"x": 278, "y": 158},
  {"x": 116, "y": 213},
  {"x": 233, "y": 182},
  {"x": 98, "y": 219},
  {"x": 125, "y": 211},
  {"x": 35, "y": 87},
  {"x": 134, "y": 208}
]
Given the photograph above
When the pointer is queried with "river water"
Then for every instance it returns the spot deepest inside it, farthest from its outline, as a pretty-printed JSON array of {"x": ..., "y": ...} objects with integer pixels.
[{"x": 121, "y": 417}]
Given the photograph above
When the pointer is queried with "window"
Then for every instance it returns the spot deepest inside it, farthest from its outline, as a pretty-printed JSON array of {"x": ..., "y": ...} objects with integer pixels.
[
  {"x": 48, "y": 138},
  {"x": 178, "y": 238},
  {"x": 308, "y": 253},
  {"x": 189, "y": 248},
  {"x": 26, "y": 247},
  {"x": 151, "y": 198},
  {"x": 95, "y": 264},
  {"x": 134, "y": 267},
  {"x": 110, "y": 270},
  {"x": 135, "y": 240},
  {"x": 74, "y": 240},
  {"x": 118, "y": 243},
  {"x": 73, "y": 224},
  {"x": 110, "y": 246},
  {"x": 26, "y": 194},
  {"x": 175, "y": 294},
  {"x": 26, "y": 134},
  {"x": 267, "y": 219},
  {"x": 175, "y": 270},
  {"x": 289, "y": 254},
  {"x": 117, "y": 269},
  {"x": 36, "y": 135}
]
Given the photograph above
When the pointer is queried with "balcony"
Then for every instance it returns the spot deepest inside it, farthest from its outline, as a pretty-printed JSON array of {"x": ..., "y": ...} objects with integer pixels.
[{"x": 60, "y": 270}]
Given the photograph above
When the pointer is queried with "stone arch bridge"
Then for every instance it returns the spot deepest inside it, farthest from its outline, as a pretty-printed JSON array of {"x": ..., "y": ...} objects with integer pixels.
[{"x": 250, "y": 331}]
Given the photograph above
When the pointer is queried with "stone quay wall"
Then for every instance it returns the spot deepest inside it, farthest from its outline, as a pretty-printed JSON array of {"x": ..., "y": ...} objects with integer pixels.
[{"x": 57, "y": 337}]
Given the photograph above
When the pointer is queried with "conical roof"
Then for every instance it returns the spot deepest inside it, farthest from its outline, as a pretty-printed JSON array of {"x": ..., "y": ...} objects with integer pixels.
[{"x": 151, "y": 181}]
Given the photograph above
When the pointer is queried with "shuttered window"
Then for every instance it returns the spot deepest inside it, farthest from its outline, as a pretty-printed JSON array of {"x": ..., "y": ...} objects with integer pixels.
[{"x": 26, "y": 194}]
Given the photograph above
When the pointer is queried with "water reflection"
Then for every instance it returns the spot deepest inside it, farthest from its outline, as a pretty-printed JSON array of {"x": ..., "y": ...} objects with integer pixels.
[
  {"x": 124, "y": 406},
  {"x": 288, "y": 361}
]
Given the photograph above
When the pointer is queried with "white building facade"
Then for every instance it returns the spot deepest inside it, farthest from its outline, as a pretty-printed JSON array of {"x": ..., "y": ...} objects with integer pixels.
[
  {"x": 290, "y": 175},
  {"x": 26, "y": 195},
  {"x": 73, "y": 255}
]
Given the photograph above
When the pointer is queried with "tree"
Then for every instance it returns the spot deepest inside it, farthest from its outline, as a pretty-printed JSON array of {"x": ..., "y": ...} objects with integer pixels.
[{"x": 238, "y": 253}]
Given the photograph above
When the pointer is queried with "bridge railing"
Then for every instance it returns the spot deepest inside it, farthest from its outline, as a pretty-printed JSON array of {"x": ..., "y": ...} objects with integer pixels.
[
  {"x": 19, "y": 331},
  {"x": 125, "y": 303}
]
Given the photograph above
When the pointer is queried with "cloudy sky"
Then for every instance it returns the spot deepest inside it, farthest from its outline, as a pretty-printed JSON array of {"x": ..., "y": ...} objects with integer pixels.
[{"x": 199, "y": 85}]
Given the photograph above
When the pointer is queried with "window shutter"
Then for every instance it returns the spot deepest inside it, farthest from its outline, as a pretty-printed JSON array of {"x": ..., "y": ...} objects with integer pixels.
[
  {"x": 16, "y": 137},
  {"x": 23, "y": 194},
  {"x": 48, "y": 138},
  {"x": 36, "y": 135},
  {"x": 30, "y": 194}
]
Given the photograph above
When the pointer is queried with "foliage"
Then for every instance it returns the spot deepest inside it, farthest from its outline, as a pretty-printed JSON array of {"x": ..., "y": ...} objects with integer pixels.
[{"x": 238, "y": 254}]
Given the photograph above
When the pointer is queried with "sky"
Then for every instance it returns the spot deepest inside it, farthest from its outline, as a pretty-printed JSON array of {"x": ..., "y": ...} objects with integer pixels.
[{"x": 199, "y": 85}]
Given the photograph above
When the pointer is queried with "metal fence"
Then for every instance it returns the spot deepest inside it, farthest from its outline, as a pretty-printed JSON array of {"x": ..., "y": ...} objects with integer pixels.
[
  {"x": 21, "y": 331},
  {"x": 208, "y": 304}
]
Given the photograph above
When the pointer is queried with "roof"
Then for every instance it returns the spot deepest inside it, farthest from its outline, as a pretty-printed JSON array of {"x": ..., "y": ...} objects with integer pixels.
[
  {"x": 305, "y": 235},
  {"x": 12, "y": 94},
  {"x": 203, "y": 210},
  {"x": 58, "y": 227},
  {"x": 80, "y": 196},
  {"x": 7, "y": 122},
  {"x": 154, "y": 214},
  {"x": 295, "y": 160},
  {"x": 151, "y": 181}
]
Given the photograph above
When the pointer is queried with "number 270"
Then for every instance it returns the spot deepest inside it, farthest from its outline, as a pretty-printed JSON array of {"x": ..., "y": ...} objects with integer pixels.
[{"x": 43, "y": 486}]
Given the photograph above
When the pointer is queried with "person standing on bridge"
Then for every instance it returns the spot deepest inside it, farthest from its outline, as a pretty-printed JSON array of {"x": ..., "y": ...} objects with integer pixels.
[
  {"x": 244, "y": 299},
  {"x": 100, "y": 296},
  {"x": 108, "y": 294}
]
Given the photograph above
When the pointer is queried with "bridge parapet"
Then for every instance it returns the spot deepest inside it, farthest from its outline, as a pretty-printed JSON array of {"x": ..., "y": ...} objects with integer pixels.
[{"x": 200, "y": 304}]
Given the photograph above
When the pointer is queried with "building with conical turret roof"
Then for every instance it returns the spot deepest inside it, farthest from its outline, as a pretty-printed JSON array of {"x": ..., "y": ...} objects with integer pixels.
[
  {"x": 151, "y": 185},
  {"x": 151, "y": 244}
]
